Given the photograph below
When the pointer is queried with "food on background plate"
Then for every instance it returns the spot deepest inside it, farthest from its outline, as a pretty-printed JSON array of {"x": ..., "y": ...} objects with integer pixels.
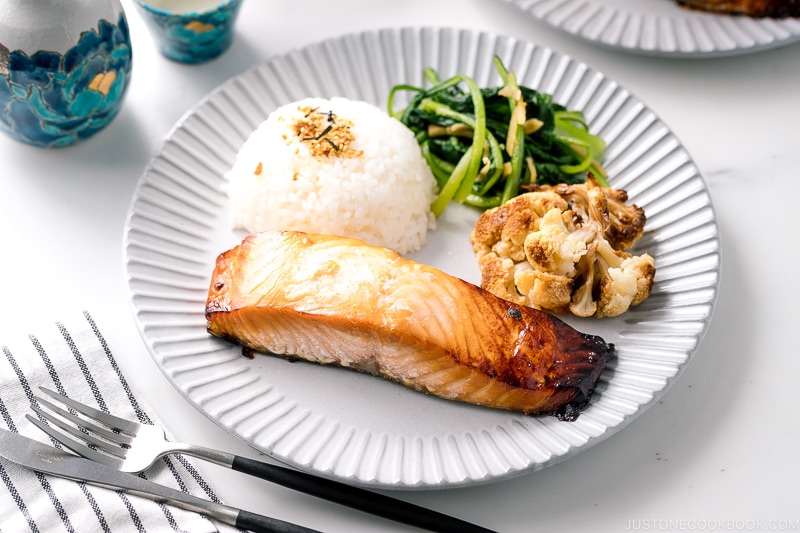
[
  {"x": 341, "y": 301},
  {"x": 487, "y": 145},
  {"x": 334, "y": 166},
  {"x": 564, "y": 248},
  {"x": 751, "y": 8}
]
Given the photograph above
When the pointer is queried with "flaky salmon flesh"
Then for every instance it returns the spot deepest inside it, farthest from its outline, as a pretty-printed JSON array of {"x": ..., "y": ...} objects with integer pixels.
[{"x": 340, "y": 301}]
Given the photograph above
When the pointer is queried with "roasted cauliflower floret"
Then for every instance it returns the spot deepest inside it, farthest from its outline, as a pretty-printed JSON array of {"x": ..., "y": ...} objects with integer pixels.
[
  {"x": 623, "y": 223},
  {"x": 554, "y": 248},
  {"x": 543, "y": 290},
  {"x": 626, "y": 221},
  {"x": 504, "y": 228},
  {"x": 564, "y": 248},
  {"x": 626, "y": 280},
  {"x": 582, "y": 302},
  {"x": 497, "y": 277}
]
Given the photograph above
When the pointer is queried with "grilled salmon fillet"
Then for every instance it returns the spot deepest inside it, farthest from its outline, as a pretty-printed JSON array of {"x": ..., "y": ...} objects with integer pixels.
[
  {"x": 752, "y": 8},
  {"x": 340, "y": 301}
]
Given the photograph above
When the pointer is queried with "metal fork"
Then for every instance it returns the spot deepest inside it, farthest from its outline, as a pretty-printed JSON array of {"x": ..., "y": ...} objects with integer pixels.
[{"x": 133, "y": 447}]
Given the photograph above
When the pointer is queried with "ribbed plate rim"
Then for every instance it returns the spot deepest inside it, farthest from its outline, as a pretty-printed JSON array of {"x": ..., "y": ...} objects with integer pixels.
[{"x": 664, "y": 28}]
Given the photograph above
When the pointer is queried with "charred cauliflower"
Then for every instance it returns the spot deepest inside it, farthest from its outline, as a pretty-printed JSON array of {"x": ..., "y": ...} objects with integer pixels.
[{"x": 564, "y": 248}]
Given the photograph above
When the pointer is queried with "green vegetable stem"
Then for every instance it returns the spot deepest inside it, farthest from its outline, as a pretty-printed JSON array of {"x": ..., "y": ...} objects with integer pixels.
[{"x": 486, "y": 146}]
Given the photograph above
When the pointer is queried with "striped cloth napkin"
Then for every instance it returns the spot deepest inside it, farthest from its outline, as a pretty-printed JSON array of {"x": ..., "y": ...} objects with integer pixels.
[{"x": 73, "y": 358}]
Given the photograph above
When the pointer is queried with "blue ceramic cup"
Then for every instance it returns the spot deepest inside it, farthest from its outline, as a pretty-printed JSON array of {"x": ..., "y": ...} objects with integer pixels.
[{"x": 191, "y": 31}]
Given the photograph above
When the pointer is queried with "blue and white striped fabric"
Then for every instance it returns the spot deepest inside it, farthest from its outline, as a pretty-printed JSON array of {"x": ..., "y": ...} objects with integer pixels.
[{"x": 73, "y": 358}]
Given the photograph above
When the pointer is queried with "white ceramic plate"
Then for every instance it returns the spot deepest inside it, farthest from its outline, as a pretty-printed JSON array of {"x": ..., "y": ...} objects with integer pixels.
[
  {"x": 367, "y": 431},
  {"x": 662, "y": 27}
]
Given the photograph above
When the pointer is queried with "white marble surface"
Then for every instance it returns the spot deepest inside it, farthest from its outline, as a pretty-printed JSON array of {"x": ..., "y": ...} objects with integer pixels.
[{"x": 718, "y": 451}]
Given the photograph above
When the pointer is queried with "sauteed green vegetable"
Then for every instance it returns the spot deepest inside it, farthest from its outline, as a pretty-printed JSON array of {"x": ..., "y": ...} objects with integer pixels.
[{"x": 488, "y": 145}]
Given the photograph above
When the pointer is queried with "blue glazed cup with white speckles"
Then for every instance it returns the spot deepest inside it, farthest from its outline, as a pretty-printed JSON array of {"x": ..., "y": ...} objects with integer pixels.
[
  {"x": 65, "y": 66},
  {"x": 191, "y": 31}
]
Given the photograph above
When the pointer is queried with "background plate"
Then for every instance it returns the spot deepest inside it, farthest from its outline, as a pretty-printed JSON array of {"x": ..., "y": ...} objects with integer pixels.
[
  {"x": 365, "y": 430},
  {"x": 662, "y": 27}
]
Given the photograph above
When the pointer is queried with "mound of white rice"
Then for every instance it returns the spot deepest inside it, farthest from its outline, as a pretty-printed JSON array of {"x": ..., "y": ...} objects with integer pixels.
[{"x": 379, "y": 189}]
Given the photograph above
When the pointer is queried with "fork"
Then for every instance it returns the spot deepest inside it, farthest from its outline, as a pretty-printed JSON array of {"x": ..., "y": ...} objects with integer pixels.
[{"x": 133, "y": 447}]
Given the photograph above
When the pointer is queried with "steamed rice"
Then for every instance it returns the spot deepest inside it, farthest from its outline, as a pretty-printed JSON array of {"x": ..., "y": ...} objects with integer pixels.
[{"x": 377, "y": 188}]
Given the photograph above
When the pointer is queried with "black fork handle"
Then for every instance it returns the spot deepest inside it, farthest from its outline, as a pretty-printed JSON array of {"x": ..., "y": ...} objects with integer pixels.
[{"x": 356, "y": 498}]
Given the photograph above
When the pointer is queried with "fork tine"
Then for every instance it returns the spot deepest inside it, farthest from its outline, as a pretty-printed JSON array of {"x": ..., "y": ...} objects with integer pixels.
[
  {"x": 76, "y": 446},
  {"x": 116, "y": 438},
  {"x": 114, "y": 422},
  {"x": 112, "y": 448},
  {"x": 113, "y": 436}
]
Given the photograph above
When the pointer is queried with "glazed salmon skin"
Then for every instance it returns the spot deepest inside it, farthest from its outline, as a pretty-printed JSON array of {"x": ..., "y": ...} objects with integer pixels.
[{"x": 340, "y": 301}]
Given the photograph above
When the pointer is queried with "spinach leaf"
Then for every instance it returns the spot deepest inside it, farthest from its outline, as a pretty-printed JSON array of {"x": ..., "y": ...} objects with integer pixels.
[{"x": 463, "y": 131}]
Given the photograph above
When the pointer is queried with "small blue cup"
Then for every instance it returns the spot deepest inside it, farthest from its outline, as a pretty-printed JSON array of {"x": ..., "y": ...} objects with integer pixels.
[{"x": 191, "y": 31}]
